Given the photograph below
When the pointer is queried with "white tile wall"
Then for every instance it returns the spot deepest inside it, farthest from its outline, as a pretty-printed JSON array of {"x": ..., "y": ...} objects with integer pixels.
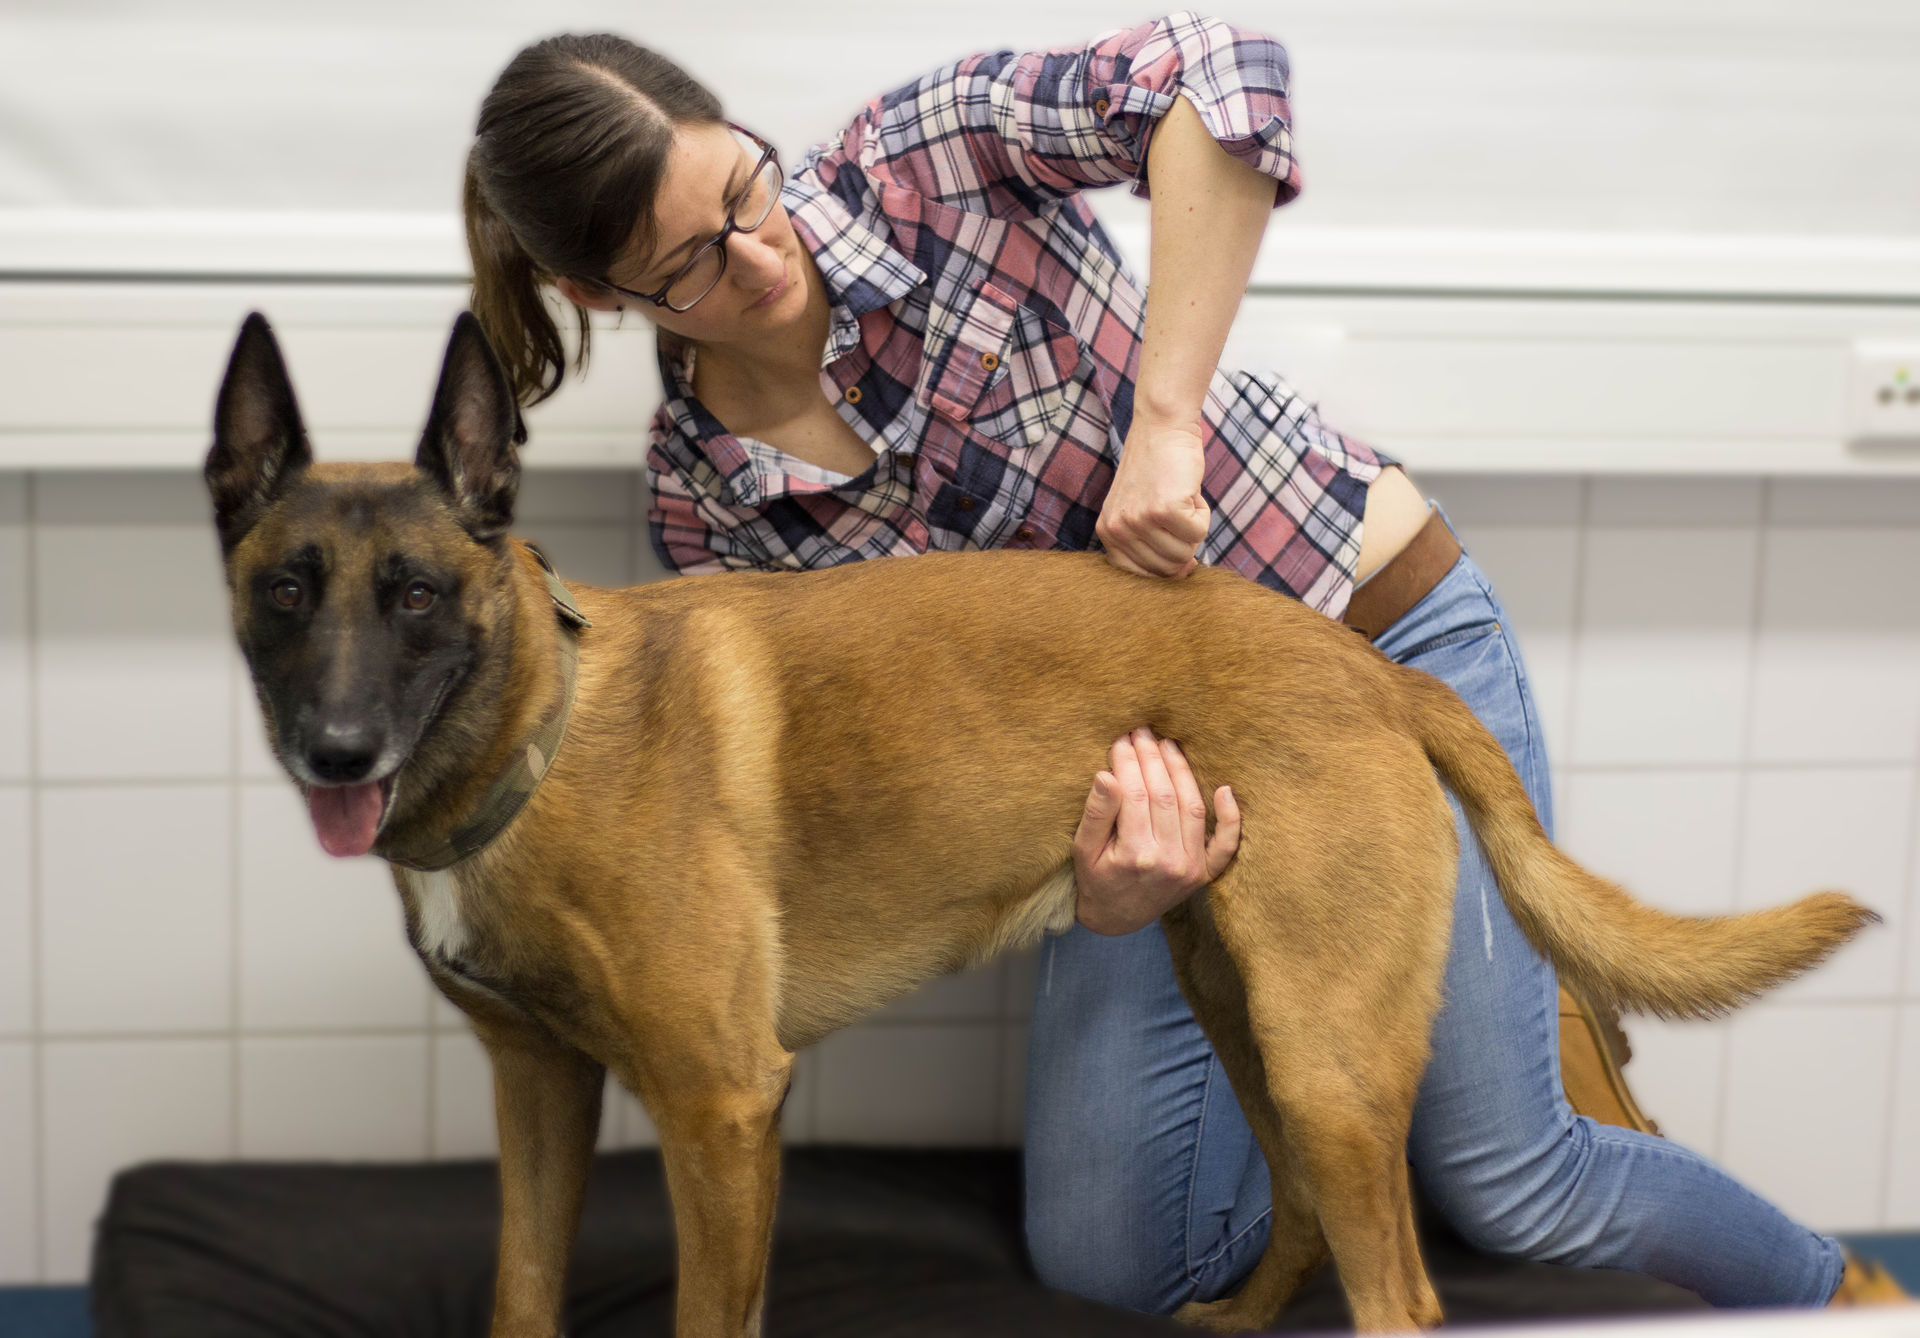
[
  {"x": 16, "y": 912},
  {"x": 1817, "y": 828},
  {"x": 796, "y": 1116},
  {"x": 462, "y": 1097},
  {"x": 922, "y": 1084},
  {"x": 1910, "y": 958},
  {"x": 573, "y": 497},
  {"x": 1844, "y": 502},
  {"x": 971, "y": 996},
  {"x": 106, "y": 1105},
  {"x": 136, "y": 908},
  {"x": 1533, "y": 570},
  {"x": 256, "y": 759},
  {"x": 1903, "y": 1169},
  {"x": 623, "y": 1120},
  {"x": 362, "y": 1098},
  {"x": 19, "y": 1192},
  {"x": 322, "y": 940},
  {"x": 1676, "y": 1073},
  {"x": 590, "y": 554},
  {"x": 1671, "y": 837},
  {"x": 13, "y": 628},
  {"x": 1838, "y": 641},
  {"x": 1808, "y": 1092},
  {"x": 1728, "y": 676},
  {"x": 463, "y": 1124},
  {"x": 1665, "y": 644},
  {"x": 130, "y": 651}
]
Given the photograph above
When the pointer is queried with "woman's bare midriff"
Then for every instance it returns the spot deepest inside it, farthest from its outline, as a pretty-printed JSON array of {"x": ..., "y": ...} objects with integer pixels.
[{"x": 1394, "y": 513}]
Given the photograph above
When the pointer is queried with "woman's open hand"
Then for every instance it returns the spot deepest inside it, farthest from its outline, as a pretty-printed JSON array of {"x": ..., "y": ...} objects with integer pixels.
[
  {"x": 1142, "y": 846},
  {"x": 1155, "y": 515}
]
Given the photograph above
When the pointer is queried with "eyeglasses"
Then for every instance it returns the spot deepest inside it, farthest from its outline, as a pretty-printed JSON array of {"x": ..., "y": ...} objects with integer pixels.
[{"x": 695, "y": 279}]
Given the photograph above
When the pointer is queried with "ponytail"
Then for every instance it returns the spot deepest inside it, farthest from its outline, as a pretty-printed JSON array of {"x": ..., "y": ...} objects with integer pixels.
[
  {"x": 570, "y": 150},
  {"x": 509, "y": 305}
]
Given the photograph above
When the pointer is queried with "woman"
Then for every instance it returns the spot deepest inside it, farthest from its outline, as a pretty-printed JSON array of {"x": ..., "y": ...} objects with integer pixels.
[{"x": 921, "y": 339}]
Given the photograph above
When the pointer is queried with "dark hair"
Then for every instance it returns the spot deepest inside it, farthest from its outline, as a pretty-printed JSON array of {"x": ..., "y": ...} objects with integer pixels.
[{"x": 568, "y": 155}]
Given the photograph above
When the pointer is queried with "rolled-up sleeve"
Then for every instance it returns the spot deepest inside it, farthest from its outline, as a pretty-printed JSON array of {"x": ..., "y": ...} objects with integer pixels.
[{"x": 1005, "y": 133}]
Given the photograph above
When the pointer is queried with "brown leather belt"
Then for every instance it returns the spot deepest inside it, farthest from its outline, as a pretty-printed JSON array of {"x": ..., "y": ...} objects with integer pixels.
[{"x": 1379, "y": 601}]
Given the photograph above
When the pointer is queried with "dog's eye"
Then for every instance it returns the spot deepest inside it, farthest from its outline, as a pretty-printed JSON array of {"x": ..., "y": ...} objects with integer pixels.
[
  {"x": 419, "y": 596},
  {"x": 286, "y": 592}
]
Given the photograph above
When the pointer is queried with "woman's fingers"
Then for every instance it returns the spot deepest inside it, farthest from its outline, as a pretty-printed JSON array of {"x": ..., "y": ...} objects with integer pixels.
[
  {"x": 1097, "y": 819},
  {"x": 1151, "y": 547},
  {"x": 1192, "y": 808},
  {"x": 1187, "y": 523},
  {"x": 1162, "y": 800},
  {"x": 1135, "y": 830},
  {"x": 1226, "y": 833}
]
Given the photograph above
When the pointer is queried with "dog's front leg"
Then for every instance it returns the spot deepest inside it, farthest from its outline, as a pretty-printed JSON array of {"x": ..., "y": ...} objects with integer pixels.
[
  {"x": 721, "y": 1147},
  {"x": 547, "y": 1101}
]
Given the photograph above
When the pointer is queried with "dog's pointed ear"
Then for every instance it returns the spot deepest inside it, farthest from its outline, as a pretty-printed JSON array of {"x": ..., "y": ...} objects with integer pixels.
[
  {"x": 468, "y": 447},
  {"x": 259, "y": 442}
]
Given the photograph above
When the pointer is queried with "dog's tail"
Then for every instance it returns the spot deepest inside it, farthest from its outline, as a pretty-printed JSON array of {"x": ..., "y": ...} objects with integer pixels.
[{"x": 1603, "y": 942}]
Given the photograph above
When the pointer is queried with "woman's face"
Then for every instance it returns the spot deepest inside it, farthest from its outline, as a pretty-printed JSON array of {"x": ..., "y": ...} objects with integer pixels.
[{"x": 763, "y": 287}]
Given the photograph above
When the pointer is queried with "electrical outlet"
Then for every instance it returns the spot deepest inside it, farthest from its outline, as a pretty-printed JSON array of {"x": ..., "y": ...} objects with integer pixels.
[{"x": 1884, "y": 404}]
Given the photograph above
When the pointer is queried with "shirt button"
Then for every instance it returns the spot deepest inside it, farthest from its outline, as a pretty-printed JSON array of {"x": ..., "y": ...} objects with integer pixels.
[
  {"x": 989, "y": 360},
  {"x": 1100, "y": 106},
  {"x": 963, "y": 504},
  {"x": 1024, "y": 534},
  {"x": 853, "y": 394}
]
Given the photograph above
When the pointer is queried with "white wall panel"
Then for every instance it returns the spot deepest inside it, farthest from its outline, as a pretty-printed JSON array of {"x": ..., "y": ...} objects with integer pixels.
[{"x": 1464, "y": 113}]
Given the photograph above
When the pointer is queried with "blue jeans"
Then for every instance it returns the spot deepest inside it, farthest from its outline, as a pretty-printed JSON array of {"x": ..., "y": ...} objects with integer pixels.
[{"x": 1145, "y": 1188}]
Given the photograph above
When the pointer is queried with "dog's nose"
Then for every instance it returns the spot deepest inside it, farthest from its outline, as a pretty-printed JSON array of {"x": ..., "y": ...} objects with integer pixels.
[{"x": 343, "y": 754}]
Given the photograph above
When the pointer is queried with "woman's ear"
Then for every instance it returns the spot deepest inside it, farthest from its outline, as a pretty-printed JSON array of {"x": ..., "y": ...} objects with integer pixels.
[{"x": 593, "y": 299}]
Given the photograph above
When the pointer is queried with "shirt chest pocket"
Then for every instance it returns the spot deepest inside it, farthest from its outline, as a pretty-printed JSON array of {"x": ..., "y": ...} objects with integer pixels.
[{"x": 1003, "y": 373}]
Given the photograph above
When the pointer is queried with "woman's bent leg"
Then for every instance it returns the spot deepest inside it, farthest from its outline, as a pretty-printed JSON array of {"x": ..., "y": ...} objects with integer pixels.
[
  {"x": 1144, "y": 1186},
  {"x": 1494, "y": 1143}
]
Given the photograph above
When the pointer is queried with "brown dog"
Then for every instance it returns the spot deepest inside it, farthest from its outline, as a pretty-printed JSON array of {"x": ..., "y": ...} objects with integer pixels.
[{"x": 682, "y": 830}]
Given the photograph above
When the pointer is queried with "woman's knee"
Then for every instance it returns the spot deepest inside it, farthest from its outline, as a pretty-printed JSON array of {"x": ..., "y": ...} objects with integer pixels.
[
  {"x": 1084, "y": 1238},
  {"x": 1528, "y": 1201},
  {"x": 1146, "y": 1210}
]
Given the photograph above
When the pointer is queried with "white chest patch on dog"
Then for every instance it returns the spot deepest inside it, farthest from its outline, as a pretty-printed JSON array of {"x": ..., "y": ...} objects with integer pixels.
[{"x": 443, "y": 933}]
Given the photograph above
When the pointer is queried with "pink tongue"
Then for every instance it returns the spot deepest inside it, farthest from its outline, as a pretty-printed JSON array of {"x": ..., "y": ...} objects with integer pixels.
[{"x": 345, "y": 817}]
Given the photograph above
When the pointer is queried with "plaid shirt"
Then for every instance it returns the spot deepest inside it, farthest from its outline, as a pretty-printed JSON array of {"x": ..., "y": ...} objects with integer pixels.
[{"x": 985, "y": 333}]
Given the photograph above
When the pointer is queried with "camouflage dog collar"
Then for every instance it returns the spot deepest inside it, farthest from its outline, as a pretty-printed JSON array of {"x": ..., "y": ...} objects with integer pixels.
[{"x": 509, "y": 794}]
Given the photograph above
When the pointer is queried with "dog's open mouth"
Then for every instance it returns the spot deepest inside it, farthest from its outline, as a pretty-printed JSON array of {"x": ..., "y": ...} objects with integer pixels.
[{"x": 347, "y": 818}]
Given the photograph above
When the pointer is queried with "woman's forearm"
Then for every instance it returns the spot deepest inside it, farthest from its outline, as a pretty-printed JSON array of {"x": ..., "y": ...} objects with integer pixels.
[{"x": 1208, "y": 212}]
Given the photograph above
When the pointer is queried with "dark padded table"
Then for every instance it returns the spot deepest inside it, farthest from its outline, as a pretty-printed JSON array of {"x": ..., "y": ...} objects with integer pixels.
[{"x": 868, "y": 1242}]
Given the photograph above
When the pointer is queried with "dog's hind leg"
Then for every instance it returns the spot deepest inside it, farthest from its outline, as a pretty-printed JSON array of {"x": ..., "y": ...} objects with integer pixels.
[
  {"x": 1295, "y": 1245},
  {"x": 1341, "y": 946},
  {"x": 547, "y": 1103}
]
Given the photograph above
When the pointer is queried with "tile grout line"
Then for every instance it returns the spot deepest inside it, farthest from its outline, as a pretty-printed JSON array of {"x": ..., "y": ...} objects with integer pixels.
[
  {"x": 1743, "y": 803},
  {"x": 433, "y": 1081},
  {"x": 236, "y": 917},
  {"x": 1903, "y": 963},
  {"x": 36, "y": 899},
  {"x": 1576, "y": 622}
]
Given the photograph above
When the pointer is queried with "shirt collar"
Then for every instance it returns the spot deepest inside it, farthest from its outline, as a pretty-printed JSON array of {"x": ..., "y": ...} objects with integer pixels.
[
  {"x": 861, "y": 270},
  {"x": 862, "y": 273}
]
